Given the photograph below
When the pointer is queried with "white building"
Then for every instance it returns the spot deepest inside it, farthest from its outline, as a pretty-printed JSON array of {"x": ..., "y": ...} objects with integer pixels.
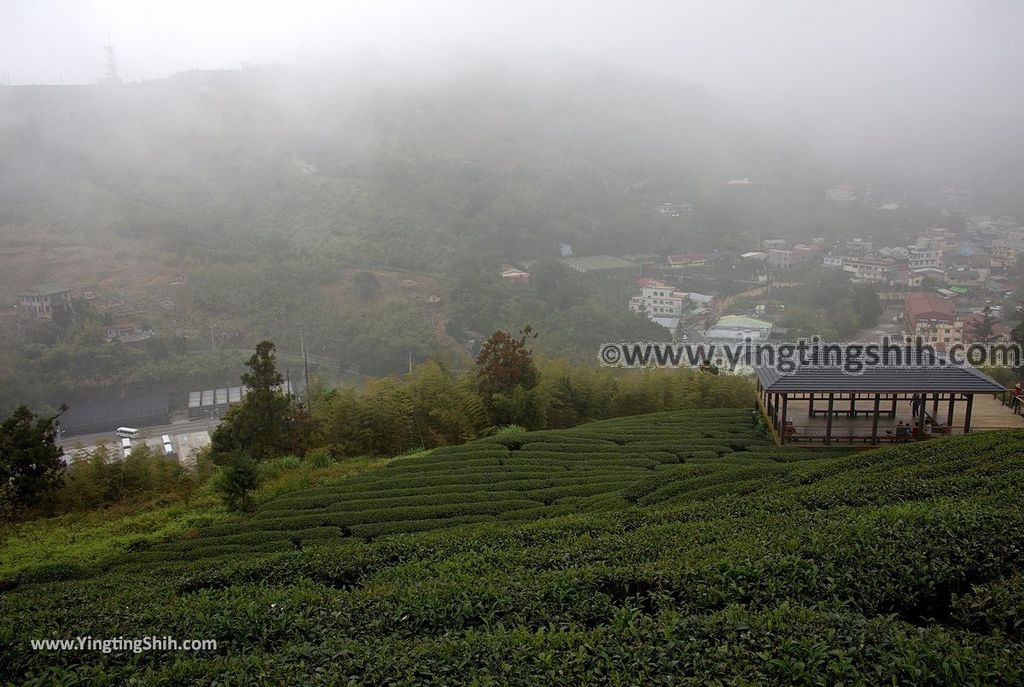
[
  {"x": 784, "y": 259},
  {"x": 44, "y": 300},
  {"x": 736, "y": 329},
  {"x": 923, "y": 255},
  {"x": 1006, "y": 251},
  {"x": 658, "y": 301},
  {"x": 868, "y": 270}
]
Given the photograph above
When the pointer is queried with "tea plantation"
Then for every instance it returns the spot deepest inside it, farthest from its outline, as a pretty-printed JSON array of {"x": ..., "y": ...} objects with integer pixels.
[{"x": 674, "y": 548}]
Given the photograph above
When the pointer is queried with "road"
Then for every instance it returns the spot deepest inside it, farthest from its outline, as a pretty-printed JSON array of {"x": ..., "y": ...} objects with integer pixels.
[
  {"x": 69, "y": 441},
  {"x": 886, "y": 327},
  {"x": 186, "y": 437}
]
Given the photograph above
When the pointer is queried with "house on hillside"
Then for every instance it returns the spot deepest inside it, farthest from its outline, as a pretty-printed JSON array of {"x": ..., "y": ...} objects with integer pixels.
[
  {"x": 675, "y": 209},
  {"x": 736, "y": 329},
  {"x": 514, "y": 275},
  {"x": 841, "y": 194},
  {"x": 127, "y": 332},
  {"x": 45, "y": 299},
  {"x": 658, "y": 301},
  {"x": 602, "y": 266},
  {"x": 687, "y": 260}
]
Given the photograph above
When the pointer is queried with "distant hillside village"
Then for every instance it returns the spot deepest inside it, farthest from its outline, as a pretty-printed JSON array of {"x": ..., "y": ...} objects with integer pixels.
[{"x": 945, "y": 286}]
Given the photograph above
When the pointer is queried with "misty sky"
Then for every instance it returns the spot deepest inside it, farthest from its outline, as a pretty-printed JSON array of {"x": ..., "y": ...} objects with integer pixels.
[{"x": 840, "y": 62}]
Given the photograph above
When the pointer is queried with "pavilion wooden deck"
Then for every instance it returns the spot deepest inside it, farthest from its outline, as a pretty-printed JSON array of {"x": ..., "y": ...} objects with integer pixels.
[
  {"x": 826, "y": 407},
  {"x": 987, "y": 413}
]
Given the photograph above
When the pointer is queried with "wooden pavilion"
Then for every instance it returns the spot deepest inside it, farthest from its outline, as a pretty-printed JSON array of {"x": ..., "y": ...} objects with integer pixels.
[{"x": 827, "y": 405}]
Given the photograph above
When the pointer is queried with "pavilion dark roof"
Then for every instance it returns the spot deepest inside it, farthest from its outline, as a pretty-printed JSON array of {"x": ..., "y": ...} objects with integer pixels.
[{"x": 944, "y": 378}]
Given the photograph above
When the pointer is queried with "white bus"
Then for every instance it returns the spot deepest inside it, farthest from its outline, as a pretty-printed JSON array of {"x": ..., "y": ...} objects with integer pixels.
[{"x": 127, "y": 432}]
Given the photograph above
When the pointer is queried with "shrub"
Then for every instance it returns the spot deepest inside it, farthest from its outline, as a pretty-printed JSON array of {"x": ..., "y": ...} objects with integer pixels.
[{"x": 237, "y": 480}]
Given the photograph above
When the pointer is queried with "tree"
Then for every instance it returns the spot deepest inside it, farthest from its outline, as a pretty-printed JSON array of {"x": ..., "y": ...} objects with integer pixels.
[
  {"x": 31, "y": 462},
  {"x": 982, "y": 330},
  {"x": 504, "y": 362},
  {"x": 367, "y": 286},
  {"x": 261, "y": 424},
  {"x": 866, "y": 307},
  {"x": 237, "y": 480},
  {"x": 506, "y": 374}
]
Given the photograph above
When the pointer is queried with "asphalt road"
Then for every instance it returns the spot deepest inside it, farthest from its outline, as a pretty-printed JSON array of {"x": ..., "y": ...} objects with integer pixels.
[{"x": 69, "y": 442}]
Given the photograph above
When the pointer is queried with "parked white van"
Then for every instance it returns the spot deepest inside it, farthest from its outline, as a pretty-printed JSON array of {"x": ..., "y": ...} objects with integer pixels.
[
  {"x": 127, "y": 432},
  {"x": 126, "y": 446}
]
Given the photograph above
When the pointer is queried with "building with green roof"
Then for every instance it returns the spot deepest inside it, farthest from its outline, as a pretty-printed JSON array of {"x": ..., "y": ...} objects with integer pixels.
[{"x": 45, "y": 299}]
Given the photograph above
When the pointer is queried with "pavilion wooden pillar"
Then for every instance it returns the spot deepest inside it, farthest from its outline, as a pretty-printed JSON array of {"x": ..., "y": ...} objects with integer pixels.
[
  {"x": 949, "y": 413},
  {"x": 892, "y": 413},
  {"x": 810, "y": 405},
  {"x": 782, "y": 421},
  {"x": 967, "y": 413},
  {"x": 853, "y": 404},
  {"x": 920, "y": 418},
  {"x": 874, "y": 419},
  {"x": 828, "y": 421},
  {"x": 935, "y": 407}
]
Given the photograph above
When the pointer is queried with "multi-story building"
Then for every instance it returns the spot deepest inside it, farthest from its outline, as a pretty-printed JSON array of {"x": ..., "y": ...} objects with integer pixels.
[
  {"x": 801, "y": 253},
  {"x": 859, "y": 246},
  {"x": 44, "y": 300},
  {"x": 870, "y": 269},
  {"x": 930, "y": 317},
  {"x": 658, "y": 301},
  {"x": 924, "y": 254},
  {"x": 1007, "y": 251}
]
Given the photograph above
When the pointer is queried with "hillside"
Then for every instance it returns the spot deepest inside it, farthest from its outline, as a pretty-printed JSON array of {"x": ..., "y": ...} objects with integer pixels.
[
  {"x": 221, "y": 208},
  {"x": 673, "y": 548}
]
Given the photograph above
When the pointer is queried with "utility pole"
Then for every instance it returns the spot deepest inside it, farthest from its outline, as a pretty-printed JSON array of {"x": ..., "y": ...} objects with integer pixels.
[
  {"x": 305, "y": 365},
  {"x": 305, "y": 362}
]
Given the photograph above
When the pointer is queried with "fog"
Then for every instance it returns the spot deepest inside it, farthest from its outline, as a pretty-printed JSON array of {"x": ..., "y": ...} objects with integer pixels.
[{"x": 849, "y": 73}]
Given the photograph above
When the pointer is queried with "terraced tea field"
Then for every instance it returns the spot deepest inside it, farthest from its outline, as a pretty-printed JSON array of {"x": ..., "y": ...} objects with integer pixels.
[
  {"x": 665, "y": 549},
  {"x": 511, "y": 478}
]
